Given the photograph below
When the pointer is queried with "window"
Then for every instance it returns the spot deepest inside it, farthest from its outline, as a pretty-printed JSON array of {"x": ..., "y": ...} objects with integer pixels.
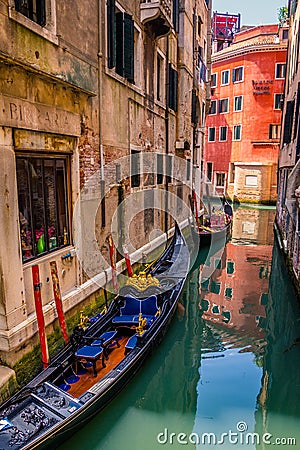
[
  {"x": 209, "y": 171},
  {"x": 160, "y": 168},
  {"x": 288, "y": 122},
  {"x": 285, "y": 35},
  {"x": 223, "y": 133},
  {"x": 224, "y": 77},
  {"x": 251, "y": 180},
  {"x": 278, "y": 101},
  {"x": 35, "y": 10},
  {"x": 213, "y": 107},
  {"x": 220, "y": 179},
  {"x": 120, "y": 41},
  {"x": 223, "y": 105},
  {"x": 214, "y": 80},
  {"x": 237, "y": 132},
  {"x": 274, "y": 131},
  {"x": 280, "y": 70},
  {"x": 228, "y": 292},
  {"x": 43, "y": 204},
  {"x": 215, "y": 287},
  {"x": 173, "y": 88},
  {"x": 200, "y": 23},
  {"x": 238, "y": 74},
  {"x": 230, "y": 267},
  {"x": 159, "y": 77},
  {"x": 238, "y": 103},
  {"x": 135, "y": 168},
  {"x": 211, "y": 134}
]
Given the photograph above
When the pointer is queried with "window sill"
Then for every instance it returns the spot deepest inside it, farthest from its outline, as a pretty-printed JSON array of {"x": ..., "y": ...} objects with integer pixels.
[
  {"x": 50, "y": 255},
  {"x": 34, "y": 27}
]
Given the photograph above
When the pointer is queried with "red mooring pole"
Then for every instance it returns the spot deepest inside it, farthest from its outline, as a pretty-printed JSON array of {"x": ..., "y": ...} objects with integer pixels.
[
  {"x": 58, "y": 300},
  {"x": 112, "y": 263},
  {"x": 128, "y": 263},
  {"x": 39, "y": 314}
]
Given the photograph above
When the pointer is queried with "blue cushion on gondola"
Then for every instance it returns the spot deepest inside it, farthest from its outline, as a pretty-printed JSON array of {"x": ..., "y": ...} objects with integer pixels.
[
  {"x": 131, "y": 320},
  {"x": 131, "y": 343},
  {"x": 149, "y": 306},
  {"x": 105, "y": 338},
  {"x": 89, "y": 351},
  {"x": 131, "y": 306}
]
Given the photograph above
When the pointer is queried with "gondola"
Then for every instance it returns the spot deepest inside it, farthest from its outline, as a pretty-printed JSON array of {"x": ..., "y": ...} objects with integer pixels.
[
  {"x": 103, "y": 355},
  {"x": 213, "y": 229}
]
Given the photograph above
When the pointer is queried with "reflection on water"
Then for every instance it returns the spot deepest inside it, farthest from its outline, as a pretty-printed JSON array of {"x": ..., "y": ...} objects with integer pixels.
[{"x": 230, "y": 357}]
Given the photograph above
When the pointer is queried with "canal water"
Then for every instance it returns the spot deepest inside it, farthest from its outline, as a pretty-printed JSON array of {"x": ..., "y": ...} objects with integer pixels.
[{"x": 227, "y": 373}]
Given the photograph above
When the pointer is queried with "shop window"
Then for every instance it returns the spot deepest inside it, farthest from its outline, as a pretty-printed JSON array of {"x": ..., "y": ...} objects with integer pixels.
[
  {"x": 35, "y": 10},
  {"x": 43, "y": 204}
]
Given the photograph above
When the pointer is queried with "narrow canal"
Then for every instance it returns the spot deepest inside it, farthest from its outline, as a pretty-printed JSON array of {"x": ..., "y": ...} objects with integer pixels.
[{"x": 227, "y": 374}]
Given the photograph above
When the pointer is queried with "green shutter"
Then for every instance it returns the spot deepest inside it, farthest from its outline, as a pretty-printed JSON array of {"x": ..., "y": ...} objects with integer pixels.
[
  {"x": 194, "y": 103},
  {"x": 111, "y": 33},
  {"x": 128, "y": 48},
  {"x": 173, "y": 88},
  {"x": 119, "y": 44}
]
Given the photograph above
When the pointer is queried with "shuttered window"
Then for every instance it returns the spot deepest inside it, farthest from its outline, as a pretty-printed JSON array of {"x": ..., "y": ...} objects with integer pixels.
[
  {"x": 111, "y": 33},
  {"x": 288, "y": 122},
  {"x": 173, "y": 88},
  {"x": 176, "y": 15},
  {"x": 120, "y": 42}
]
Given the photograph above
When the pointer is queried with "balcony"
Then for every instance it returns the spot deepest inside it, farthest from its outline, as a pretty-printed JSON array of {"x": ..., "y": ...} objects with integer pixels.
[{"x": 158, "y": 15}]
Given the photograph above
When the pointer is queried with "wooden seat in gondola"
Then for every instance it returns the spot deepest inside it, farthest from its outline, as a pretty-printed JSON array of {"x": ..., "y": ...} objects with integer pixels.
[
  {"x": 129, "y": 313},
  {"x": 90, "y": 353}
]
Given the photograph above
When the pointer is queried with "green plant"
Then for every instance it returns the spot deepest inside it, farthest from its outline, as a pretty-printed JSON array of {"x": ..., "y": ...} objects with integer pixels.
[{"x": 282, "y": 15}]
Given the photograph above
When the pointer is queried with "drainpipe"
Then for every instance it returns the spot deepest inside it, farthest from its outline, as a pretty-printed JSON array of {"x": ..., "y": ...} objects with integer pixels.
[
  {"x": 167, "y": 138},
  {"x": 100, "y": 56}
]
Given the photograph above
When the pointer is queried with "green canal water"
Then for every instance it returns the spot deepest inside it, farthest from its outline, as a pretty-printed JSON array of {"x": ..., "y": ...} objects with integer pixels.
[{"x": 227, "y": 374}]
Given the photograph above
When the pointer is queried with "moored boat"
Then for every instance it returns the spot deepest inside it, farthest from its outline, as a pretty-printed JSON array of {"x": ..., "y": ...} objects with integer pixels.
[{"x": 103, "y": 355}]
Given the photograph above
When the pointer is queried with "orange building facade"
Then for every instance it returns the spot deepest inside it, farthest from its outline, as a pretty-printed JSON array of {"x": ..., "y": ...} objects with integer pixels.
[{"x": 243, "y": 125}]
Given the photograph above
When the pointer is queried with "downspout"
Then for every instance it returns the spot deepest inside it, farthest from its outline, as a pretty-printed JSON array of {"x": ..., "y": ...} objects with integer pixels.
[
  {"x": 167, "y": 138},
  {"x": 101, "y": 156}
]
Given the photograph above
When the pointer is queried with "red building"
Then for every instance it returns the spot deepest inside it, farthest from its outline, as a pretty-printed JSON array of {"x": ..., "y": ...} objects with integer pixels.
[{"x": 243, "y": 125}]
